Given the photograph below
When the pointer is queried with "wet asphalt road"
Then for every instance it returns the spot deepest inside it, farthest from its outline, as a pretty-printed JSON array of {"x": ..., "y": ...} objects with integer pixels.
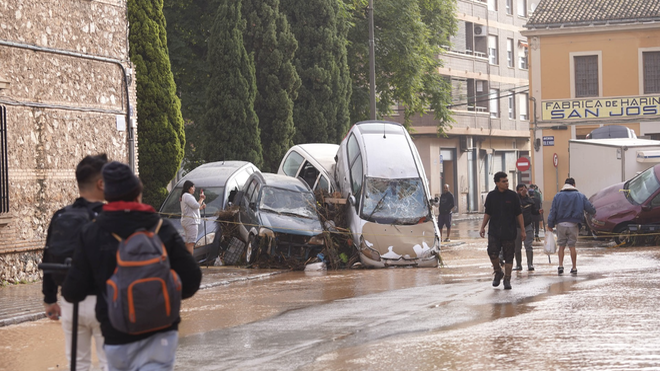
[{"x": 604, "y": 318}]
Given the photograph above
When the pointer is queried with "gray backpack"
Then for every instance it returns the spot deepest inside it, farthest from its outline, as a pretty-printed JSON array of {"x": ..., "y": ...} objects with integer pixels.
[{"x": 143, "y": 294}]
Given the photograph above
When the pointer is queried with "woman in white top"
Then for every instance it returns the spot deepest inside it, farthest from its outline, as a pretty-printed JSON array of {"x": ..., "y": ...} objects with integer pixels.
[{"x": 190, "y": 218}]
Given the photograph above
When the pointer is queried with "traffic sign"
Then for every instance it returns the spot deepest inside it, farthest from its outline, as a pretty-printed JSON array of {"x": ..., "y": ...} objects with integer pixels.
[
  {"x": 555, "y": 159},
  {"x": 522, "y": 164}
]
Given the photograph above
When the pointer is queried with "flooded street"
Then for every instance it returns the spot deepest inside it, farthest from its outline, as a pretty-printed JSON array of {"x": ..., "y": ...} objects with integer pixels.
[{"x": 604, "y": 318}]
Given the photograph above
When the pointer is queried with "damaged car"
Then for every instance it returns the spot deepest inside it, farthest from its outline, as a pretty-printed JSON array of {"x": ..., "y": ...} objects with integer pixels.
[
  {"x": 218, "y": 180},
  {"x": 277, "y": 216},
  {"x": 314, "y": 163},
  {"x": 388, "y": 210}
]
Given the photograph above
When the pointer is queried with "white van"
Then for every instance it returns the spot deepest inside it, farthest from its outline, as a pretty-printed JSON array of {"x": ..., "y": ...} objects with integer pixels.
[
  {"x": 389, "y": 214},
  {"x": 314, "y": 163}
]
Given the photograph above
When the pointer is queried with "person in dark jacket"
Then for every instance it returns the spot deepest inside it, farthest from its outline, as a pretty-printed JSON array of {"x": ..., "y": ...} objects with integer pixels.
[
  {"x": 94, "y": 262},
  {"x": 502, "y": 215},
  {"x": 90, "y": 188},
  {"x": 446, "y": 205},
  {"x": 528, "y": 208}
]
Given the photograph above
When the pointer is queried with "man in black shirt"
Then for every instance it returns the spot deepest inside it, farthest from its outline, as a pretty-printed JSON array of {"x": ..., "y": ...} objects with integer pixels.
[
  {"x": 503, "y": 215},
  {"x": 444, "y": 211},
  {"x": 528, "y": 209}
]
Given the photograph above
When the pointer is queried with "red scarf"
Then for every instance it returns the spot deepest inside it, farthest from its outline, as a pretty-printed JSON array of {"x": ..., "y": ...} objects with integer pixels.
[{"x": 128, "y": 206}]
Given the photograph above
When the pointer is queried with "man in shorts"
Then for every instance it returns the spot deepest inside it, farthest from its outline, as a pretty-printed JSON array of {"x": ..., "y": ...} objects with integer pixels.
[{"x": 566, "y": 213}]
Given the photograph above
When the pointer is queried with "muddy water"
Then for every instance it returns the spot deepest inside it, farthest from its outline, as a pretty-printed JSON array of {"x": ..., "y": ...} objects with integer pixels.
[{"x": 447, "y": 318}]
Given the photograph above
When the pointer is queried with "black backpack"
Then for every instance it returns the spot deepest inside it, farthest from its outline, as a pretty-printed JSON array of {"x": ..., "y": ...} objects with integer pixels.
[{"x": 64, "y": 234}]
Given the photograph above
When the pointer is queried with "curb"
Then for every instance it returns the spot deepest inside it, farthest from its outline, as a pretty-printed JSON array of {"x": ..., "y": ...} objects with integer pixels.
[{"x": 20, "y": 319}]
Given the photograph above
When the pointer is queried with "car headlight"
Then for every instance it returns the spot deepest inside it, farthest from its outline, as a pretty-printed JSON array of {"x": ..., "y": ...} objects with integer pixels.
[
  {"x": 205, "y": 240},
  {"x": 368, "y": 251},
  {"x": 317, "y": 240}
]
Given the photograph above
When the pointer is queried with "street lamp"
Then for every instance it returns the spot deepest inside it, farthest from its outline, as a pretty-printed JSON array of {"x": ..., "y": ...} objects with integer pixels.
[{"x": 372, "y": 62}]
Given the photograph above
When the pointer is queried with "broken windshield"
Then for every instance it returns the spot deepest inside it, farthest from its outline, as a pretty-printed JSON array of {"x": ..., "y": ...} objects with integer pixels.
[
  {"x": 283, "y": 201},
  {"x": 643, "y": 186},
  {"x": 396, "y": 201}
]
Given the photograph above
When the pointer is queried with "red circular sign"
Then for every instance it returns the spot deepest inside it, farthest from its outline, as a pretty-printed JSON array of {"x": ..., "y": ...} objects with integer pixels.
[
  {"x": 522, "y": 164},
  {"x": 555, "y": 159}
]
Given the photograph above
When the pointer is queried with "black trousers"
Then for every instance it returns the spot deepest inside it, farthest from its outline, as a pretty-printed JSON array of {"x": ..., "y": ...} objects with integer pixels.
[{"x": 496, "y": 244}]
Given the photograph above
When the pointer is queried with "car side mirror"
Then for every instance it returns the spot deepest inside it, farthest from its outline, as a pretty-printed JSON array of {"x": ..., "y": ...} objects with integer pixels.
[
  {"x": 351, "y": 200},
  {"x": 647, "y": 207}
]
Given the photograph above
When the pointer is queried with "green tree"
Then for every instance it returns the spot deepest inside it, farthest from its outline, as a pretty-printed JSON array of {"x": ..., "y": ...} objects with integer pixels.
[
  {"x": 409, "y": 37},
  {"x": 160, "y": 125},
  {"x": 189, "y": 25},
  {"x": 230, "y": 126},
  {"x": 320, "y": 113},
  {"x": 268, "y": 38}
]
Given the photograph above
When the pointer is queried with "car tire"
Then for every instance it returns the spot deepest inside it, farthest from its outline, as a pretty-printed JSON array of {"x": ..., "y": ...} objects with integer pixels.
[
  {"x": 623, "y": 236},
  {"x": 252, "y": 249}
]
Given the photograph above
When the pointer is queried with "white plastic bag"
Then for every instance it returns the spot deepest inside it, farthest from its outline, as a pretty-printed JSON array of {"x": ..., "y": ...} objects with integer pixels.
[{"x": 550, "y": 245}]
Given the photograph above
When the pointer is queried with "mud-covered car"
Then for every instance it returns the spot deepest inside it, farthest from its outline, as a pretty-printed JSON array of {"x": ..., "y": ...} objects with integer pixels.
[
  {"x": 621, "y": 206},
  {"x": 277, "y": 216},
  {"x": 218, "y": 180}
]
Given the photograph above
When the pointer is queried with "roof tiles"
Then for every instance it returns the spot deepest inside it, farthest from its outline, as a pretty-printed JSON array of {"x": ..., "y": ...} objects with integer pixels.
[{"x": 556, "y": 13}]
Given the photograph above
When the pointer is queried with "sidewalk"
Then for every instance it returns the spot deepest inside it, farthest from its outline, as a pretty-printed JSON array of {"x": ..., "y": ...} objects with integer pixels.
[{"x": 23, "y": 302}]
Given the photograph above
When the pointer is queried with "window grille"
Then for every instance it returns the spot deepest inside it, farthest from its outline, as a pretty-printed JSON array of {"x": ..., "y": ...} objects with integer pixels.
[
  {"x": 651, "y": 72},
  {"x": 586, "y": 76}
]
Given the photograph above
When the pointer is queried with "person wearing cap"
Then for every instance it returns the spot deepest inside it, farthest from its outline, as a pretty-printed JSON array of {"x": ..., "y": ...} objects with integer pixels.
[
  {"x": 566, "y": 212},
  {"x": 94, "y": 261}
]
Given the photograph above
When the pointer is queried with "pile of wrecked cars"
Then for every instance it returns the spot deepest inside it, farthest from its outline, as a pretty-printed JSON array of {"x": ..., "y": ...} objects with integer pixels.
[{"x": 365, "y": 202}]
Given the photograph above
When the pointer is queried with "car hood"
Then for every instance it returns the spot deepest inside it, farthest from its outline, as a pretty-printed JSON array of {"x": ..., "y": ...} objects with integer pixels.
[
  {"x": 396, "y": 241},
  {"x": 291, "y": 224},
  {"x": 611, "y": 201}
]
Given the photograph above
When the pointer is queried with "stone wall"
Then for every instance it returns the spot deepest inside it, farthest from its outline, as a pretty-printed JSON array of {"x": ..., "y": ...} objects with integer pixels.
[
  {"x": 20, "y": 267},
  {"x": 60, "y": 108}
]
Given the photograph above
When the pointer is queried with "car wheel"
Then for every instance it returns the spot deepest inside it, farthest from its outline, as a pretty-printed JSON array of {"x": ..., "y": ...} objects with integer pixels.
[
  {"x": 623, "y": 236},
  {"x": 252, "y": 250}
]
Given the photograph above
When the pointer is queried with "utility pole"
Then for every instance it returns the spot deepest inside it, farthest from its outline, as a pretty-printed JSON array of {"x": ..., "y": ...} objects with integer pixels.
[{"x": 372, "y": 62}]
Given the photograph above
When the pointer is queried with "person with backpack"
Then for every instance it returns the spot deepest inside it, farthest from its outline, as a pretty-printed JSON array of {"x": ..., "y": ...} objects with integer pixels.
[
  {"x": 63, "y": 234},
  {"x": 139, "y": 267}
]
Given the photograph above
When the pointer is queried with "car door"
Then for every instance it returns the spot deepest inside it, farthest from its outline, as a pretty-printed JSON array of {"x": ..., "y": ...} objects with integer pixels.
[
  {"x": 245, "y": 213},
  {"x": 650, "y": 212}
]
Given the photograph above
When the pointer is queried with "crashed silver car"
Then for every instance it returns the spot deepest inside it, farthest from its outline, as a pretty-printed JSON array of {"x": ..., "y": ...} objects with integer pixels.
[
  {"x": 277, "y": 216},
  {"x": 389, "y": 213}
]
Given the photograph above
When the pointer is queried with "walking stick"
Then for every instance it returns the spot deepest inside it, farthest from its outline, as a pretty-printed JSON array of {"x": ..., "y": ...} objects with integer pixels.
[{"x": 58, "y": 268}]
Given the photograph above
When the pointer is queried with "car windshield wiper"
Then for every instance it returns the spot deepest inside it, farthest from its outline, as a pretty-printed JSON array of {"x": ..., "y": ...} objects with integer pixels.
[
  {"x": 267, "y": 209},
  {"x": 289, "y": 213},
  {"x": 377, "y": 207}
]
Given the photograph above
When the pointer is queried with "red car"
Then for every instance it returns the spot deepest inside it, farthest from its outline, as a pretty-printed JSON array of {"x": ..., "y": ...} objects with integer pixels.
[{"x": 632, "y": 205}]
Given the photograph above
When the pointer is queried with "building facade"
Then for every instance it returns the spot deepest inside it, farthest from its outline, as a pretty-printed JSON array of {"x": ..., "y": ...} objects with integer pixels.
[
  {"x": 66, "y": 91},
  {"x": 592, "y": 63},
  {"x": 487, "y": 65}
]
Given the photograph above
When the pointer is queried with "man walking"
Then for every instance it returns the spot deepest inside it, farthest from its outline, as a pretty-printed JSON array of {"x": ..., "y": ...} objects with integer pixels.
[
  {"x": 502, "y": 215},
  {"x": 537, "y": 218},
  {"x": 528, "y": 207},
  {"x": 566, "y": 213},
  {"x": 62, "y": 231},
  {"x": 95, "y": 260},
  {"x": 444, "y": 211}
]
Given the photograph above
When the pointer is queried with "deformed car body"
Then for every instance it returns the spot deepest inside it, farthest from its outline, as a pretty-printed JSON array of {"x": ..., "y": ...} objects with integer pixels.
[
  {"x": 619, "y": 206},
  {"x": 389, "y": 213},
  {"x": 218, "y": 180},
  {"x": 314, "y": 163},
  {"x": 277, "y": 215}
]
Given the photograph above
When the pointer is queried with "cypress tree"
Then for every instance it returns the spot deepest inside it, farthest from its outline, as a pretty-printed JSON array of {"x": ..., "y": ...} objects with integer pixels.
[
  {"x": 268, "y": 38},
  {"x": 160, "y": 125},
  {"x": 320, "y": 112},
  {"x": 230, "y": 126}
]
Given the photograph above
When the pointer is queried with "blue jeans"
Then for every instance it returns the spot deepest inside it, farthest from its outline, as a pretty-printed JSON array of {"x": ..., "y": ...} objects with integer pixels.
[{"x": 153, "y": 353}]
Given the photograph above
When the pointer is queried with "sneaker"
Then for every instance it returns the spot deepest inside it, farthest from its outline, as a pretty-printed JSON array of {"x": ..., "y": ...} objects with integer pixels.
[
  {"x": 507, "y": 284},
  {"x": 574, "y": 271},
  {"x": 560, "y": 270},
  {"x": 498, "y": 278},
  {"x": 447, "y": 240},
  {"x": 518, "y": 268}
]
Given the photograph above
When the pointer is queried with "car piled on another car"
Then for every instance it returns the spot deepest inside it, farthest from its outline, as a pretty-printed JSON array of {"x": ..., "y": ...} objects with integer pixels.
[{"x": 277, "y": 215}]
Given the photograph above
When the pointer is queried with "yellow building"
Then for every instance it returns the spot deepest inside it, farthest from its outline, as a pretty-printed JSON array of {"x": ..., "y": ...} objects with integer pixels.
[{"x": 592, "y": 63}]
